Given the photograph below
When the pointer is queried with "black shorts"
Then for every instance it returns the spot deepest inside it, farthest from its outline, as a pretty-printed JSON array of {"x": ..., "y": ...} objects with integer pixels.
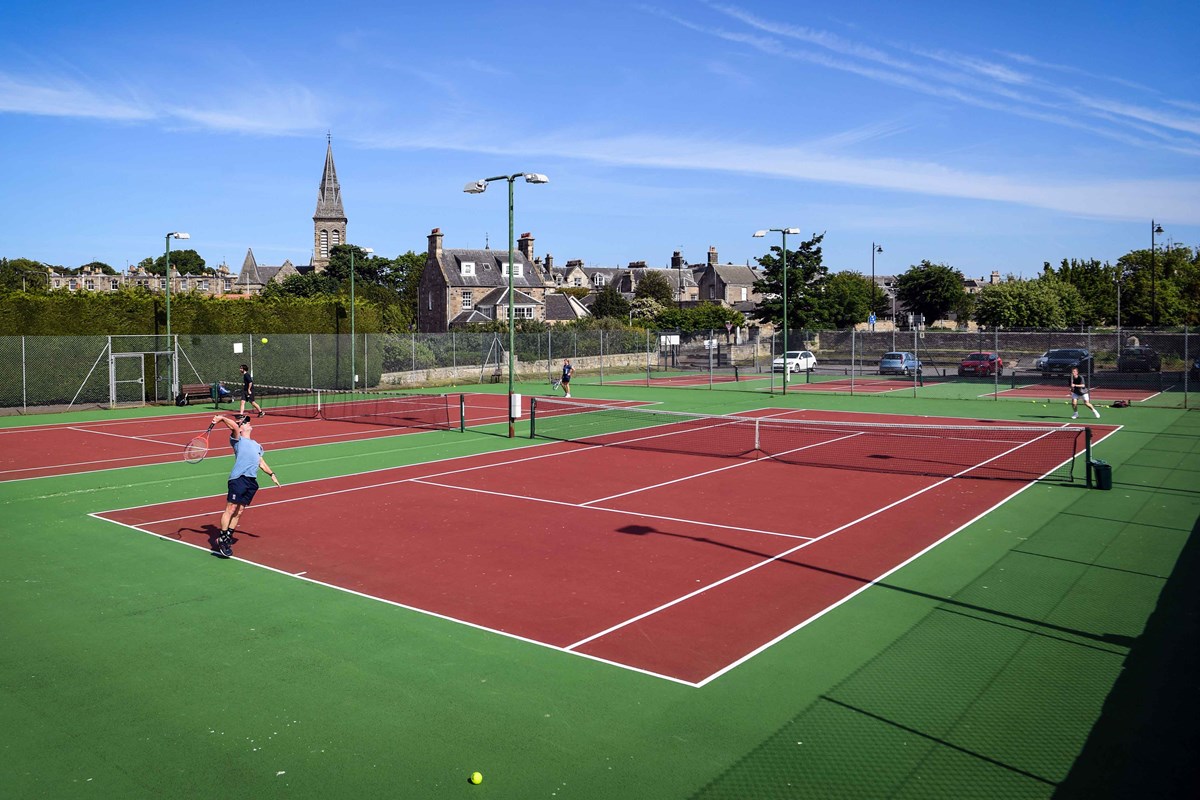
[
  {"x": 565, "y": 380},
  {"x": 242, "y": 489}
]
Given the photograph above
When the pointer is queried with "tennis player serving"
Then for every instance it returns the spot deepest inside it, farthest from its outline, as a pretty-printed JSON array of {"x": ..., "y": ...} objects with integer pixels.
[
  {"x": 243, "y": 478},
  {"x": 1079, "y": 391}
]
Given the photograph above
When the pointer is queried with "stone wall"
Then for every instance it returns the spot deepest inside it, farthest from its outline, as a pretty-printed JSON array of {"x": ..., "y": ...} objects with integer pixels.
[{"x": 529, "y": 371}]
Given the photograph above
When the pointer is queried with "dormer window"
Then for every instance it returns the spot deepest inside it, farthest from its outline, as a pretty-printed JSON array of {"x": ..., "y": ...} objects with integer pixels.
[
  {"x": 467, "y": 269},
  {"x": 599, "y": 280},
  {"x": 504, "y": 269}
]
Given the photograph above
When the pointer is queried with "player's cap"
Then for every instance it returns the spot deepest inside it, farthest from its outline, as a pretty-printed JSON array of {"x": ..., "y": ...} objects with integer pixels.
[{"x": 243, "y": 419}]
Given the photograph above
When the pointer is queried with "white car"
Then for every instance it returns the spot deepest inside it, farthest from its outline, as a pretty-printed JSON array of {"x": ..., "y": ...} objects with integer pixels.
[{"x": 796, "y": 360}]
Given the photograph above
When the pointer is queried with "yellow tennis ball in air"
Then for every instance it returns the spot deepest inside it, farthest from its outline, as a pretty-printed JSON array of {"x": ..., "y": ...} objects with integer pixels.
[
  {"x": 476, "y": 778},
  {"x": 264, "y": 340}
]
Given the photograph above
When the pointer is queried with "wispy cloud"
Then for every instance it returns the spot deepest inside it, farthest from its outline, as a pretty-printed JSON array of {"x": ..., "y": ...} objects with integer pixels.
[
  {"x": 969, "y": 79},
  {"x": 281, "y": 111},
  {"x": 65, "y": 98}
]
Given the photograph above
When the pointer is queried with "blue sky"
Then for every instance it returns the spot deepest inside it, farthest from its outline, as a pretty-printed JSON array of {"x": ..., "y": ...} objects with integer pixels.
[{"x": 983, "y": 136}]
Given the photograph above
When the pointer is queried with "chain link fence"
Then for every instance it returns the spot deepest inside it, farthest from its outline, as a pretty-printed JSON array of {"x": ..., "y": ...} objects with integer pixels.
[{"x": 54, "y": 373}]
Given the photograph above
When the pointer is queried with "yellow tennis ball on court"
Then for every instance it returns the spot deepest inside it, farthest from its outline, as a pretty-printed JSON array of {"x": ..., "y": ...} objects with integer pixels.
[
  {"x": 476, "y": 778},
  {"x": 264, "y": 340}
]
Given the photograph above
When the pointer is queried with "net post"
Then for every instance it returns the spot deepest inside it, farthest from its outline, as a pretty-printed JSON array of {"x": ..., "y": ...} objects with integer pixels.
[
  {"x": 462, "y": 413},
  {"x": 533, "y": 404},
  {"x": 1087, "y": 453}
]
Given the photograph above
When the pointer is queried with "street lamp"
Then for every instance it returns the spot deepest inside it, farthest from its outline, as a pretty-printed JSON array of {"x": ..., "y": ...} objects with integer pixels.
[
  {"x": 784, "y": 232},
  {"x": 874, "y": 249},
  {"x": 1153, "y": 276},
  {"x": 167, "y": 273},
  {"x": 479, "y": 187},
  {"x": 353, "y": 370}
]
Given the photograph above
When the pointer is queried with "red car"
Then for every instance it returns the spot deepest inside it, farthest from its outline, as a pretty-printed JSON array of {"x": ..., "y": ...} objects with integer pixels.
[{"x": 981, "y": 364}]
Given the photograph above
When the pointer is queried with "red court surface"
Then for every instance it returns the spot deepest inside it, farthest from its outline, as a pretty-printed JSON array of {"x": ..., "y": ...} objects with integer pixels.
[
  {"x": 679, "y": 566},
  {"x": 860, "y": 385},
  {"x": 36, "y": 451}
]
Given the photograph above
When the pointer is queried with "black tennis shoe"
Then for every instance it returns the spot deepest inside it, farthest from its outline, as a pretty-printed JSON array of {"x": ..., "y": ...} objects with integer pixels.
[{"x": 225, "y": 545}]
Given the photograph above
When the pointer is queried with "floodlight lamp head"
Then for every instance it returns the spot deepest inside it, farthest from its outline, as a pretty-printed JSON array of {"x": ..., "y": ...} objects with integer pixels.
[
  {"x": 1158, "y": 229},
  {"x": 536, "y": 177},
  {"x": 759, "y": 234},
  {"x": 878, "y": 248},
  {"x": 180, "y": 235},
  {"x": 475, "y": 187},
  {"x": 793, "y": 231},
  {"x": 367, "y": 250}
]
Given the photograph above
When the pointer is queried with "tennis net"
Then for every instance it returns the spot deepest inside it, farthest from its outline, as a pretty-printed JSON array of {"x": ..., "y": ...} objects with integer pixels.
[
  {"x": 998, "y": 451},
  {"x": 396, "y": 409}
]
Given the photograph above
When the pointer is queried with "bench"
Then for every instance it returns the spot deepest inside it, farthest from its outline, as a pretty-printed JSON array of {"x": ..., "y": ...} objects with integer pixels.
[{"x": 195, "y": 391}]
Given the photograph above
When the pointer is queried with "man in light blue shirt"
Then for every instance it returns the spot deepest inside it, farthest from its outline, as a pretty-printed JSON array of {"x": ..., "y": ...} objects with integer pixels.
[{"x": 243, "y": 478}]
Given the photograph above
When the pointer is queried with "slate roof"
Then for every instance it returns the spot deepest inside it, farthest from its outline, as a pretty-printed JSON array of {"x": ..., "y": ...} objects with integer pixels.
[
  {"x": 564, "y": 307},
  {"x": 488, "y": 270}
]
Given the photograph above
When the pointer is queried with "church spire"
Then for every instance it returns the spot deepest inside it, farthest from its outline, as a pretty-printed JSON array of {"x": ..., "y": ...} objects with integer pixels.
[{"x": 329, "y": 223}]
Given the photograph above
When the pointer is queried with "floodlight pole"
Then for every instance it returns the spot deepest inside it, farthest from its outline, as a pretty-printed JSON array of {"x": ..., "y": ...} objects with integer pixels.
[
  {"x": 353, "y": 369},
  {"x": 478, "y": 187},
  {"x": 874, "y": 249},
  {"x": 784, "y": 232},
  {"x": 167, "y": 275},
  {"x": 1154, "y": 228}
]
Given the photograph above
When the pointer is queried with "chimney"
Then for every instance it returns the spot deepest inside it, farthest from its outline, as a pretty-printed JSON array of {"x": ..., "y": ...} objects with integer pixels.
[
  {"x": 712, "y": 256},
  {"x": 549, "y": 263},
  {"x": 525, "y": 246},
  {"x": 435, "y": 244},
  {"x": 995, "y": 276},
  {"x": 677, "y": 260}
]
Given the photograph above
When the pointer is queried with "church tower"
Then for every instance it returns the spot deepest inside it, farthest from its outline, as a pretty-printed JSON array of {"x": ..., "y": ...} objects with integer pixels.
[{"x": 329, "y": 223}]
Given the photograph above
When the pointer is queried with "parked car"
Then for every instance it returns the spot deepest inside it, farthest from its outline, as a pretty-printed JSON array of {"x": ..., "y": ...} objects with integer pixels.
[
  {"x": 797, "y": 361},
  {"x": 899, "y": 363},
  {"x": 981, "y": 364},
  {"x": 1139, "y": 359},
  {"x": 1061, "y": 361}
]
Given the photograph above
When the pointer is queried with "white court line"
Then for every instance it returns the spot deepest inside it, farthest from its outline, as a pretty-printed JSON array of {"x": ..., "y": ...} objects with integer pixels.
[
  {"x": 416, "y": 609},
  {"x": 775, "y": 558}
]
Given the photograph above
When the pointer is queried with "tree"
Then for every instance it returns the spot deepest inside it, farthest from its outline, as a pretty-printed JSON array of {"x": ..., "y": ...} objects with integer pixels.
[
  {"x": 847, "y": 299},
  {"x": 1020, "y": 304},
  {"x": 701, "y": 317},
  {"x": 22, "y": 274},
  {"x": 185, "y": 262},
  {"x": 311, "y": 284},
  {"x": 611, "y": 303},
  {"x": 930, "y": 290},
  {"x": 98, "y": 266},
  {"x": 644, "y": 309},
  {"x": 806, "y": 279},
  {"x": 656, "y": 286}
]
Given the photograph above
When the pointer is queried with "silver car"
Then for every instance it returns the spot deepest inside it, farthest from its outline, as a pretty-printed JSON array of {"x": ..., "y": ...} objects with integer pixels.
[{"x": 899, "y": 363}]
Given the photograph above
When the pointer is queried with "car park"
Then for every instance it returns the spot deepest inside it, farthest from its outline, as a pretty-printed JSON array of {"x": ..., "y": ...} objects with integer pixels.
[
  {"x": 1139, "y": 359},
  {"x": 796, "y": 361},
  {"x": 1062, "y": 361},
  {"x": 981, "y": 364},
  {"x": 899, "y": 363}
]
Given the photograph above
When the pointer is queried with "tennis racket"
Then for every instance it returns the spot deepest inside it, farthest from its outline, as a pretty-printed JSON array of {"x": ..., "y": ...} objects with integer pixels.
[
  {"x": 197, "y": 448},
  {"x": 556, "y": 384}
]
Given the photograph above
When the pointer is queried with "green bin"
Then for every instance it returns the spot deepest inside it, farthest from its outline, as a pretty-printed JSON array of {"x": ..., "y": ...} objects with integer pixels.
[{"x": 1102, "y": 471}]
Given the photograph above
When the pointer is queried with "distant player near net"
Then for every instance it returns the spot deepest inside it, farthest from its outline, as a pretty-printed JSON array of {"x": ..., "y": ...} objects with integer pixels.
[
  {"x": 243, "y": 478},
  {"x": 1079, "y": 391},
  {"x": 565, "y": 380},
  {"x": 248, "y": 392}
]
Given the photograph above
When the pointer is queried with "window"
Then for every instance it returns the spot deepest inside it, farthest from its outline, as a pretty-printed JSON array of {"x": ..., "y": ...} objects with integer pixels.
[
  {"x": 712, "y": 293},
  {"x": 337, "y": 237},
  {"x": 523, "y": 312},
  {"x": 600, "y": 280},
  {"x": 324, "y": 244},
  {"x": 467, "y": 269},
  {"x": 228, "y": 285},
  {"x": 204, "y": 285},
  {"x": 467, "y": 300},
  {"x": 116, "y": 284},
  {"x": 504, "y": 270},
  {"x": 577, "y": 281},
  {"x": 743, "y": 293},
  {"x": 558, "y": 279},
  {"x": 90, "y": 285},
  {"x": 73, "y": 285}
]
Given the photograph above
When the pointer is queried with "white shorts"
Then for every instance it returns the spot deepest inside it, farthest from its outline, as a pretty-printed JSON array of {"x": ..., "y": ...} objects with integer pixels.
[{"x": 1082, "y": 397}]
